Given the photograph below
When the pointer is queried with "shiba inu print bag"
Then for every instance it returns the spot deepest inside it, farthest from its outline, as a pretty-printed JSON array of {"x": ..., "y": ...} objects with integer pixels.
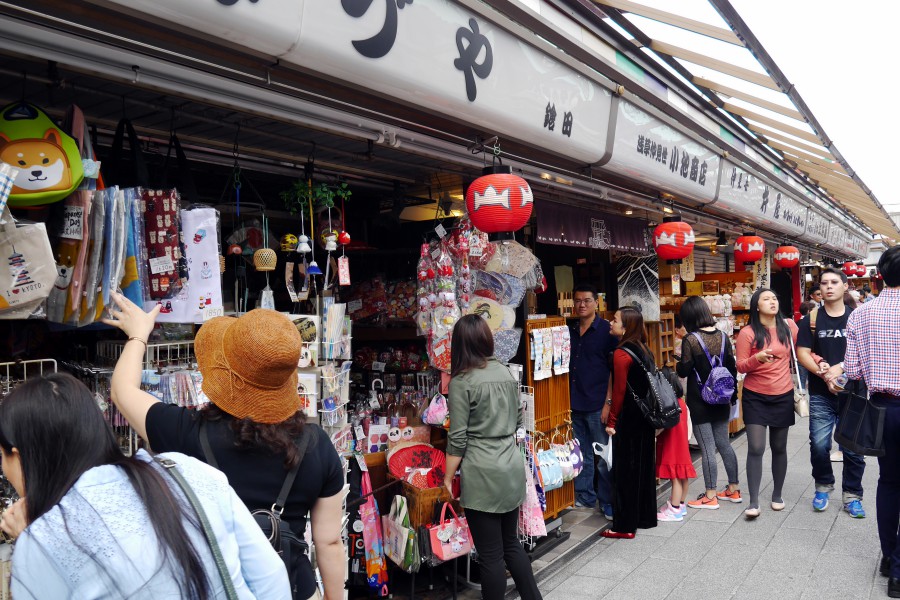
[{"x": 48, "y": 160}]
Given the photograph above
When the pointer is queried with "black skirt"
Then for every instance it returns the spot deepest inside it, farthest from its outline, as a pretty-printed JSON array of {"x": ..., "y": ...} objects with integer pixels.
[{"x": 763, "y": 409}]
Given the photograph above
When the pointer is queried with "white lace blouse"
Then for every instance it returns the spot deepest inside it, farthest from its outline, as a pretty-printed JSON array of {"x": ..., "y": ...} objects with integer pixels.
[{"x": 98, "y": 542}]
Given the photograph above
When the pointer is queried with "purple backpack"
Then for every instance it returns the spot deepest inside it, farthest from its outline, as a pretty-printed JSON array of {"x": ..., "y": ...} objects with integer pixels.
[{"x": 720, "y": 384}]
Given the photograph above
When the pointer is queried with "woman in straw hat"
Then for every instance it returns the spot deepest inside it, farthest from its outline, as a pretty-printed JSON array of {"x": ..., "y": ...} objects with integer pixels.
[
  {"x": 94, "y": 523},
  {"x": 252, "y": 425}
]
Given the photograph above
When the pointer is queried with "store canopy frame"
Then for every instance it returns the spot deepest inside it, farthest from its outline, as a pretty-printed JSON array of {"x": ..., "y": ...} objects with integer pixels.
[{"x": 793, "y": 125}]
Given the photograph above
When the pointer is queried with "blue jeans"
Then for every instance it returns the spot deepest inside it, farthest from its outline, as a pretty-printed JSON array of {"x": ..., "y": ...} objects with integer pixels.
[
  {"x": 589, "y": 429},
  {"x": 823, "y": 417},
  {"x": 887, "y": 501}
]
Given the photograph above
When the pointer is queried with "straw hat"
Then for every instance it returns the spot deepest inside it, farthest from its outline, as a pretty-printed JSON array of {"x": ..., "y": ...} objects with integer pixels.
[{"x": 249, "y": 365}]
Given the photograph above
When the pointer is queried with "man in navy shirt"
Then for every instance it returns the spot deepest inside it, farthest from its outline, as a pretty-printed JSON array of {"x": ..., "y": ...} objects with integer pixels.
[{"x": 591, "y": 344}]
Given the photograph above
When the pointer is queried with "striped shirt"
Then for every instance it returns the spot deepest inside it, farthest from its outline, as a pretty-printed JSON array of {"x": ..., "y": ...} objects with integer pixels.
[{"x": 873, "y": 343}]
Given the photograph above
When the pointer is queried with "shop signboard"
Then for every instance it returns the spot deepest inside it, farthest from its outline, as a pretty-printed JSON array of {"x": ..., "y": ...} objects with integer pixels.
[
  {"x": 858, "y": 246},
  {"x": 745, "y": 195},
  {"x": 564, "y": 225},
  {"x": 648, "y": 150},
  {"x": 437, "y": 54},
  {"x": 816, "y": 228},
  {"x": 836, "y": 233}
]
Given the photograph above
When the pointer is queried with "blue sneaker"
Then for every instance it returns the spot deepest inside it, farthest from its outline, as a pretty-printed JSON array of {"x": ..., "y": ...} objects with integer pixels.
[
  {"x": 607, "y": 512},
  {"x": 820, "y": 502},
  {"x": 855, "y": 509},
  {"x": 683, "y": 510}
]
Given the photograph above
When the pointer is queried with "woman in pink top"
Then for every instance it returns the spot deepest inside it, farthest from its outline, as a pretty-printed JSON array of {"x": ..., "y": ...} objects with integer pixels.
[{"x": 763, "y": 351}]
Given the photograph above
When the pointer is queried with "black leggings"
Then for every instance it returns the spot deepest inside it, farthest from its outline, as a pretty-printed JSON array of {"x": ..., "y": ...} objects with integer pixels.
[
  {"x": 496, "y": 540},
  {"x": 756, "y": 442}
]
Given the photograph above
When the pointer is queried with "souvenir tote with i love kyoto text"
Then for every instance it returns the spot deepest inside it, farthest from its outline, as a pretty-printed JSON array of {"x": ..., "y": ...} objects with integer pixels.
[{"x": 28, "y": 269}]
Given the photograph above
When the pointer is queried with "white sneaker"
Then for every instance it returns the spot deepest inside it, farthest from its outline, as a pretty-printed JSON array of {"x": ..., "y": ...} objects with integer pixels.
[
  {"x": 669, "y": 514},
  {"x": 837, "y": 456}
]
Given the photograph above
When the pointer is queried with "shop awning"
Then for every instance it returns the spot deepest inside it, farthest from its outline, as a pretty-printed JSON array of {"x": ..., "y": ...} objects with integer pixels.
[
  {"x": 721, "y": 58},
  {"x": 566, "y": 225}
]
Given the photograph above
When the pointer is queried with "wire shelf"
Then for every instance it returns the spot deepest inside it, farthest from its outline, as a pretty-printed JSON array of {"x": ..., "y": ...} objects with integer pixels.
[
  {"x": 15, "y": 372},
  {"x": 158, "y": 354}
]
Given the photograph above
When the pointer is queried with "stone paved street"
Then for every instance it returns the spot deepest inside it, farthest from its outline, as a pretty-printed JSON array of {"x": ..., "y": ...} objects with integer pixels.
[{"x": 718, "y": 554}]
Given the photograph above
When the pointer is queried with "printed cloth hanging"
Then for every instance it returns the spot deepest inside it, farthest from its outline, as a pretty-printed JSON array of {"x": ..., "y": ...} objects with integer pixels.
[
  {"x": 373, "y": 539},
  {"x": 92, "y": 298},
  {"x": 203, "y": 287},
  {"x": 531, "y": 514},
  {"x": 131, "y": 281},
  {"x": 162, "y": 235},
  {"x": 71, "y": 255}
]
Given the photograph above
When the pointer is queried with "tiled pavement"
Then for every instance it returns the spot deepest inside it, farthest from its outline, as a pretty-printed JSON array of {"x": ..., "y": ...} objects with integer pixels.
[{"x": 795, "y": 553}]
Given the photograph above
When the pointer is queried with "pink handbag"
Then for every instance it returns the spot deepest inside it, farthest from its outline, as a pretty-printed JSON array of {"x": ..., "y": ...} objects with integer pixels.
[
  {"x": 450, "y": 538},
  {"x": 437, "y": 413}
]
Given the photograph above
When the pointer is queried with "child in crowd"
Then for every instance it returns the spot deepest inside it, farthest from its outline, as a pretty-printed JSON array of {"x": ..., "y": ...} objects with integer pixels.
[{"x": 673, "y": 458}]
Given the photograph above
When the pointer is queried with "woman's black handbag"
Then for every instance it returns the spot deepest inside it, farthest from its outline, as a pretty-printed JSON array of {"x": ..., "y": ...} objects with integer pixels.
[{"x": 860, "y": 427}]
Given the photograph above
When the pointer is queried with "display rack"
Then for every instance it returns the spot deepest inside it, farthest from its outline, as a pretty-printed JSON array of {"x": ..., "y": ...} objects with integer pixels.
[
  {"x": 661, "y": 339},
  {"x": 179, "y": 353},
  {"x": 15, "y": 372},
  {"x": 551, "y": 410}
]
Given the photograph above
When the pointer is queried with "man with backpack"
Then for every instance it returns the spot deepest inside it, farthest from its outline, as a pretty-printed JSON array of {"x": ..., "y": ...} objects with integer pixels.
[{"x": 821, "y": 343}]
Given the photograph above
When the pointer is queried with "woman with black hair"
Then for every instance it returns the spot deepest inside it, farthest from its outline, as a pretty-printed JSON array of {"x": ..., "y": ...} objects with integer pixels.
[
  {"x": 253, "y": 428},
  {"x": 484, "y": 417},
  {"x": 93, "y": 523},
  {"x": 709, "y": 421},
  {"x": 764, "y": 355},
  {"x": 634, "y": 455}
]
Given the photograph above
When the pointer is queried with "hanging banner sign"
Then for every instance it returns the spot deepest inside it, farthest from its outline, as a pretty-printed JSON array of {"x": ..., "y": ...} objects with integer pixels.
[
  {"x": 744, "y": 194},
  {"x": 564, "y": 225},
  {"x": 648, "y": 150},
  {"x": 687, "y": 267},
  {"x": 762, "y": 270},
  {"x": 436, "y": 54}
]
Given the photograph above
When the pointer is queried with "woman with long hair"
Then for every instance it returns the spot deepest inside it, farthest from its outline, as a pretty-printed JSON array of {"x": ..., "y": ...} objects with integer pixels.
[
  {"x": 710, "y": 421},
  {"x": 634, "y": 456},
  {"x": 764, "y": 355},
  {"x": 93, "y": 523},
  {"x": 253, "y": 428},
  {"x": 484, "y": 417}
]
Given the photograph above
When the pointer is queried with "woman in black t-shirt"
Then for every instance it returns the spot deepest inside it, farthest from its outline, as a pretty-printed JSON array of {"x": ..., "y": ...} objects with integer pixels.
[{"x": 249, "y": 369}]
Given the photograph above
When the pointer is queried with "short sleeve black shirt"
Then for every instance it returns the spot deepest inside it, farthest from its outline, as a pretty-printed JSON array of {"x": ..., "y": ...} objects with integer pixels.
[
  {"x": 830, "y": 343},
  {"x": 255, "y": 475}
]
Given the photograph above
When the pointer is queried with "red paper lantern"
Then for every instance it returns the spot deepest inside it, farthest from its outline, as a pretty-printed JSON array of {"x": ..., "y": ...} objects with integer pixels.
[
  {"x": 849, "y": 269},
  {"x": 787, "y": 257},
  {"x": 749, "y": 248},
  {"x": 673, "y": 239},
  {"x": 861, "y": 270},
  {"x": 499, "y": 203}
]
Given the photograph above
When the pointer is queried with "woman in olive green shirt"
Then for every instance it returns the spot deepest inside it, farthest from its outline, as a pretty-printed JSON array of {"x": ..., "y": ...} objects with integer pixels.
[{"x": 484, "y": 416}]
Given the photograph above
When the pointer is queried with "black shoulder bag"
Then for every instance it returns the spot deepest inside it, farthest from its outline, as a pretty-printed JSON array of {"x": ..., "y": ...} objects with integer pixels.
[
  {"x": 287, "y": 544},
  {"x": 660, "y": 408},
  {"x": 860, "y": 426}
]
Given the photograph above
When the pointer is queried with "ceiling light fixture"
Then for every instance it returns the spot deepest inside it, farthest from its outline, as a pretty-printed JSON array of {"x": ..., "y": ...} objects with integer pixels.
[
  {"x": 628, "y": 211},
  {"x": 668, "y": 210}
]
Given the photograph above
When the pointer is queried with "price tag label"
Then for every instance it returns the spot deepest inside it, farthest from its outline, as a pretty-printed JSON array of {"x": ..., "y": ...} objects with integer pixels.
[
  {"x": 378, "y": 366},
  {"x": 354, "y": 305},
  {"x": 161, "y": 264},
  {"x": 475, "y": 250},
  {"x": 73, "y": 223},
  {"x": 440, "y": 231},
  {"x": 436, "y": 253},
  {"x": 360, "y": 434},
  {"x": 211, "y": 312}
]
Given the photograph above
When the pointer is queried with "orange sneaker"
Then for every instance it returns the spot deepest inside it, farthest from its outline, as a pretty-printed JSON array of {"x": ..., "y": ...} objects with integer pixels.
[
  {"x": 703, "y": 501},
  {"x": 734, "y": 496}
]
